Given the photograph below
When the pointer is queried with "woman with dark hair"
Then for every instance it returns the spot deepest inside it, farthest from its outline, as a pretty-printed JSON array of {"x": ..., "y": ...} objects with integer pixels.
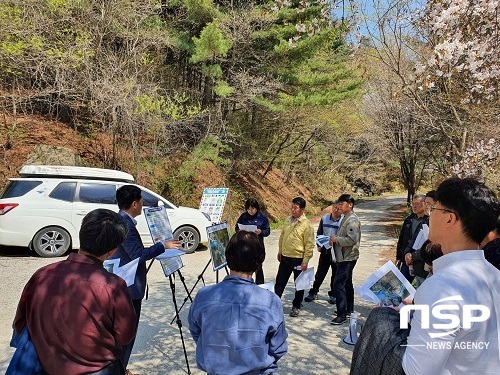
[{"x": 253, "y": 216}]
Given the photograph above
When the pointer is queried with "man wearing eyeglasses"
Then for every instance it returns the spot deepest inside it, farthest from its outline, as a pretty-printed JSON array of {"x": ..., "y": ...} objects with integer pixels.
[
  {"x": 409, "y": 269},
  {"x": 462, "y": 336}
]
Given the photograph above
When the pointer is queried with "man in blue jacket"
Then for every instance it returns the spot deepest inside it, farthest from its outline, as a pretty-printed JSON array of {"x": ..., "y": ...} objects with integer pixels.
[{"x": 129, "y": 198}]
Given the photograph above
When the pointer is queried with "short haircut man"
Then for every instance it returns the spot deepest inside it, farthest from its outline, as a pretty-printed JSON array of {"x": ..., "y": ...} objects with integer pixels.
[
  {"x": 328, "y": 226},
  {"x": 296, "y": 248},
  {"x": 127, "y": 195},
  {"x": 78, "y": 314},
  {"x": 464, "y": 212},
  {"x": 130, "y": 203},
  {"x": 346, "y": 248},
  {"x": 222, "y": 315}
]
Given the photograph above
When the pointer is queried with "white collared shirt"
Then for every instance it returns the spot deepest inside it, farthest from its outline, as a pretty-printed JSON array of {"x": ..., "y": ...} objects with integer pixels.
[{"x": 476, "y": 350}]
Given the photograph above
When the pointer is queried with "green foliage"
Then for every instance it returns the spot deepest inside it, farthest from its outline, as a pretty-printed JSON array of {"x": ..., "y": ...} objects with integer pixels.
[
  {"x": 181, "y": 185},
  {"x": 213, "y": 70},
  {"x": 210, "y": 44},
  {"x": 201, "y": 11},
  {"x": 223, "y": 89},
  {"x": 175, "y": 107}
]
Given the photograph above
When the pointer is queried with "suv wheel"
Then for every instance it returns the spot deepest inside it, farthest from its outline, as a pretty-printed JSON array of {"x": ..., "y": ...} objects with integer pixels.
[
  {"x": 51, "y": 242},
  {"x": 189, "y": 239}
]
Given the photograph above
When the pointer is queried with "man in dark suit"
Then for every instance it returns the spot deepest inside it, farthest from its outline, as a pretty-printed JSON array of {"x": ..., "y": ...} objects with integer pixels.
[{"x": 129, "y": 198}]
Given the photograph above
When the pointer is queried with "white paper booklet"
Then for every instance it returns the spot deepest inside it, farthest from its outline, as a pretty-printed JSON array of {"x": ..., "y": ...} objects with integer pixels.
[
  {"x": 126, "y": 272},
  {"x": 386, "y": 286},
  {"x": 322, "y": 240},
  {"x": 305, "y": 279},
  {"x": 422, "y": 236},
  {"x": 247, "y": 228}
]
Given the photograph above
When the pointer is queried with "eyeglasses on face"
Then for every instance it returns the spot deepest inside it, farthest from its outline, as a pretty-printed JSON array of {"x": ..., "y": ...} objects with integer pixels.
[{"x": 442, "y": 209}]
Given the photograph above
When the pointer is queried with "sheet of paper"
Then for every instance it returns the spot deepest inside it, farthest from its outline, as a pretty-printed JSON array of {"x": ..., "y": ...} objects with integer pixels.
[
  {"x": 386, "y": 286},
  {"x": 305, "y": 279},
  {"x": 422, "y": 236},
  {"x": 247, "y": 228},
  {"x": 323, "y": 240},
  {"x": 269, "y": 286},
  {"x": 126, "y": 272}
]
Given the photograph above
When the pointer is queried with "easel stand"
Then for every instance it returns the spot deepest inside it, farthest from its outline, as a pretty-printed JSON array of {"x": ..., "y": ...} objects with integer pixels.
[
  {"x": 217, "y": 274},
  {"x": 177, "y": 317},
  {"x": 200, "y": 277}
]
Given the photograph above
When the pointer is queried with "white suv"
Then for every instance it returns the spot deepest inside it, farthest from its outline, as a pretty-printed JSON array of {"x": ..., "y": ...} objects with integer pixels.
[{"x": 44, "y": 208}]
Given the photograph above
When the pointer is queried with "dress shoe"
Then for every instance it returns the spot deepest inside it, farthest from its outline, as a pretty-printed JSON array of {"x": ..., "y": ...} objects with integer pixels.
[
  {"x": 348, "y": 316},
  {"x": 339, "y": 320},
  {"x": 332, "y": 300}
]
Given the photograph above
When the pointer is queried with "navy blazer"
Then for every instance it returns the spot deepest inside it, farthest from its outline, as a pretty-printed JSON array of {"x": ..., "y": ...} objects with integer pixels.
[{"x": 133, "y": 248}]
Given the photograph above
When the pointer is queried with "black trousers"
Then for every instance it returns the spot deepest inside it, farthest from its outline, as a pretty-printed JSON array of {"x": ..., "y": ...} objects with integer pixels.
[
  {"x": 325, "y": 262},
  {"x": 344, "y": 290},
  {"x": 127, "y": 349},
  {"x": 286, "y": 268},
  {"x": 259, "y": 275}
]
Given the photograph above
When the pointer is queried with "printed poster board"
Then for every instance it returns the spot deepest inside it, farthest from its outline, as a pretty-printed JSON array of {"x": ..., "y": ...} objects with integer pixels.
[
  {"x": 218, "y": 238},
  {"x": 213, "y": 201},
  {"x": 161, "y": 231}
]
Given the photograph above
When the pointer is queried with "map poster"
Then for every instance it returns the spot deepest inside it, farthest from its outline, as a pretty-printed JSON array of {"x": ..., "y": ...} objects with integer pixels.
[
  {"x": 386, "y": 286},
  {"x": 213, "y": 201},
  {"x": 218, "y": 238}
]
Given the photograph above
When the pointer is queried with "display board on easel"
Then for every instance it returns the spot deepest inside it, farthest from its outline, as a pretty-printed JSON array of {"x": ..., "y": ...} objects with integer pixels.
[
  {"x": 213, "y": 201},
  {"x": 218, "y": 238},
  {"x": 170, "y": 260}
]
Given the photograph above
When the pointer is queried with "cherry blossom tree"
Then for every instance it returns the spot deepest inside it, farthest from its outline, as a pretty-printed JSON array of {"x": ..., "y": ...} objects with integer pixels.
[{"x": 465, "y": 47}]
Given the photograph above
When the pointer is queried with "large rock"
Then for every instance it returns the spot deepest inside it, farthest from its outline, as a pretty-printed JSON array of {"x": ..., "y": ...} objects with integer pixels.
[{"x": 53, "y": 155}]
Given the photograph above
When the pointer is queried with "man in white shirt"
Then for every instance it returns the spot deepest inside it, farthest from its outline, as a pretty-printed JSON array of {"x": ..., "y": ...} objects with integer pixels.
[{"x": 457, "y": 328}]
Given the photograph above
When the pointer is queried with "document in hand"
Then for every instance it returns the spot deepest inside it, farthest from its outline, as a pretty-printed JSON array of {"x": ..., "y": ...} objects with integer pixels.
[
  {"x": 324, "y": 241},
  {"x": 305, "y": 279},
  {"x": 126, "y": 272},
  {"x": 269, "y": 286},
  {"x": 386, "y": 286},
  {"x": 422, "y": 236},
  {"x": 247, "y": 228}
]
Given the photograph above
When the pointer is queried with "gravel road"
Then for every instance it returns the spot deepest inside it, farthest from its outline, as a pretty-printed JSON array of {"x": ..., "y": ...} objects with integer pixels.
[{"x": 315, "y": 346}]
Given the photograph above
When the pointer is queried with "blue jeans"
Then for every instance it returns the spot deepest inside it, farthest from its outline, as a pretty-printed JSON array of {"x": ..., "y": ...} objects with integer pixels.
[{"x": 344, "y": 290}]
